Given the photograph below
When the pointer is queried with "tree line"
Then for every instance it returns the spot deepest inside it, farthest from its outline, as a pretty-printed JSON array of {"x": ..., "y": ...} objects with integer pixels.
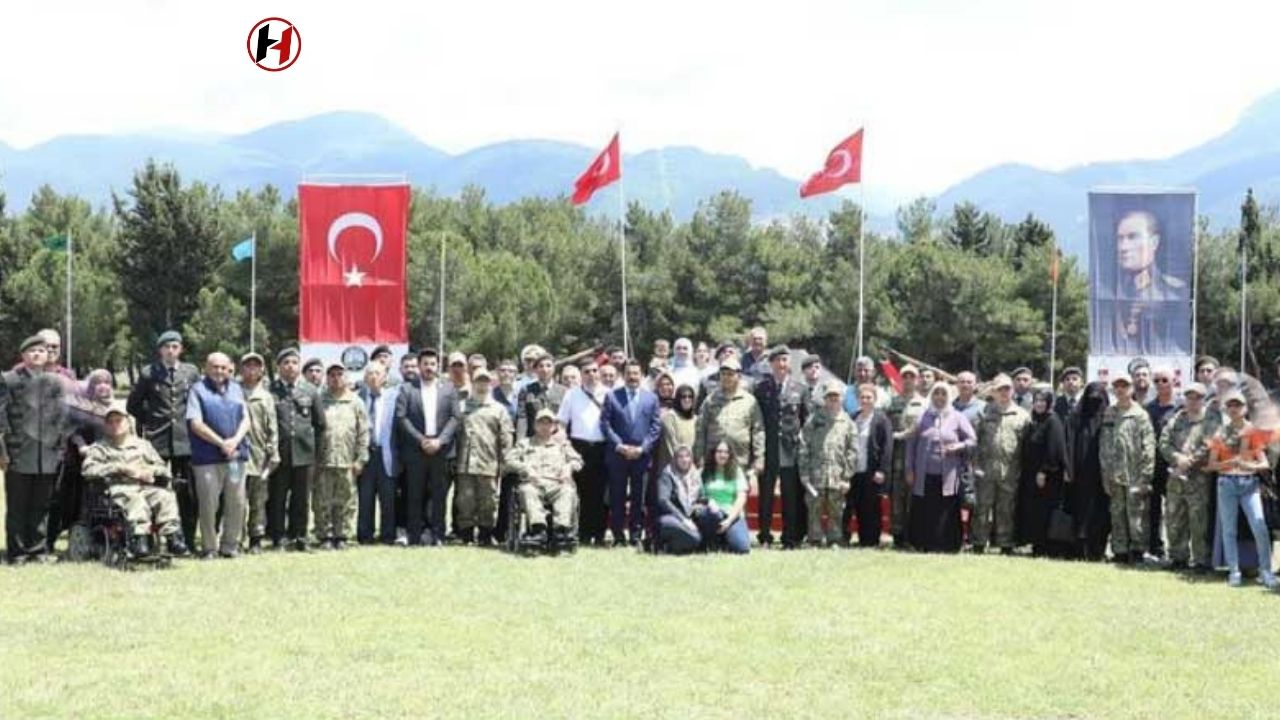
[{"x": 963, "y": 290}]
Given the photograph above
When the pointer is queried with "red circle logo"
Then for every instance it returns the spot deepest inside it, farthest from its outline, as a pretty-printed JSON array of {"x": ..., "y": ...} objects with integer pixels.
[{"x": 274, "y": 44}]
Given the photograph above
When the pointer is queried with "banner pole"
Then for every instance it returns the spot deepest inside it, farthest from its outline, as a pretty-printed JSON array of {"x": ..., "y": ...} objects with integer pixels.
[
  {"x": 70, "y": 262},
  {"x": 253, "y": 286},
  {"x": 1053, "y": 315},
  {"x": 1244, "y": 299},
  {"x": 442, "y": 295},
  {"x": 622, "y": 244}
]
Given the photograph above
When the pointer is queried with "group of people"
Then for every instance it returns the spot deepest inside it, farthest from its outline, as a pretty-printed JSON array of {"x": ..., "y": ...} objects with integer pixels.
[{"x": 603, "y": 449}]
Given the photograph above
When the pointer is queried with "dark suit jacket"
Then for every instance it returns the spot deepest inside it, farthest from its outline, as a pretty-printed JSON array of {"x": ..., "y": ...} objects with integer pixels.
[
  {"x": 411, "y": 425},
  {"x": 620, "y": 429},
  {"x": 160, "y": 407},
  {"x": 880, "y": 444}
]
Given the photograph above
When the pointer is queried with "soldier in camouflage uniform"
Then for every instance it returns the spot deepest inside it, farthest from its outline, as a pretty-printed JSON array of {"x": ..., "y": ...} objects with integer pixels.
[
  {"x": 904, "y": 412},
  {"x": 828, "y": 458},
  {"x": 732, "y": 414},
  {"x": 344, "y": 449},
  {"x": 1127, "y": 454},
  {"x": 546, "y": 466},
  {"x": 131, "y": 466},
  {"x": 264, "y": 449},
  {"x": 1000, "y": 430},
  {"x": 1184, "y": 446},
  {"x": 482, "y": 446}
]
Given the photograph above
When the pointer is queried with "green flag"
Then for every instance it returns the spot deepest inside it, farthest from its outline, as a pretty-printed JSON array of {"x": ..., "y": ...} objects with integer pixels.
[{"x": 57, "y": 243}]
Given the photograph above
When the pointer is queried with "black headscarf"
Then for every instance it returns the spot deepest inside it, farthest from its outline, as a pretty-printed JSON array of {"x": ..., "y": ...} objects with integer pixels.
[
  {"x": 1083, "y": 430},
  {"x": 675, "y": 403},
  {"x": 1039, "y": 426}
]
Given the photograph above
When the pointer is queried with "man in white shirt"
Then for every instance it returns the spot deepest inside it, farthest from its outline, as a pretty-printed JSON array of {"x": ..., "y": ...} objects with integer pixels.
[
  {"x": 579, "y": 416},
  {"x": 426, "y": 417}
]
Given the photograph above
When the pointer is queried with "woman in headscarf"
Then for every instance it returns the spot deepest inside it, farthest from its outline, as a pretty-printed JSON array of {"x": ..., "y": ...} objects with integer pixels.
[
  {"x": 679, "y": 487},
  {"x": 664, "y": 386},
  {"x": 87, "y": 412},
  {"x": 679, "y": 427},
  {"x": 934, "y": 455},
  {"x": 1090, "y": 507},
  {"x": 683, "y": 367},
  {"x": 1043, "y": 460}
]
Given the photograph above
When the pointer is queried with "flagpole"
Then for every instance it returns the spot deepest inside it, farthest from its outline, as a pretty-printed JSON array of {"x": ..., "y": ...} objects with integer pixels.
[
  {"x": 1053, "y": 316},
  {"x": 1244, "y": 298},
  {"x": 862, "y": 230},
  {"x": 442, "y": 236},
  {"x": 70, "y": 261},
  {"x": 253, "y": 285},
  {"x": 622, "y": 243}
]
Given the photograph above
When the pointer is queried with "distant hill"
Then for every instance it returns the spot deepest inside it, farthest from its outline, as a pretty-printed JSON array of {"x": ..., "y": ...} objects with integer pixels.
[
  {"x": 1247, "y": 155},
  {"x": 352, "y": 142}
]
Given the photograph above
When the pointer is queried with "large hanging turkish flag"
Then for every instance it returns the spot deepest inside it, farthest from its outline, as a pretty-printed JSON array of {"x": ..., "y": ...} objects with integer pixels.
[{"x": 352, "y": 263}]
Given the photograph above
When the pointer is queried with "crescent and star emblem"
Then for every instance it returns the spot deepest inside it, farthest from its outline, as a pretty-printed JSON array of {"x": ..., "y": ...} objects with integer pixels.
[
  {"x": 354, "y": 277},
  {"x": 845, "y": 160}
]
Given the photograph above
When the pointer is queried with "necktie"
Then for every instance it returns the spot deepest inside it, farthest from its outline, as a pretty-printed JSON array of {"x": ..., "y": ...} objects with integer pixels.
[{"x": 631, "y": 404}]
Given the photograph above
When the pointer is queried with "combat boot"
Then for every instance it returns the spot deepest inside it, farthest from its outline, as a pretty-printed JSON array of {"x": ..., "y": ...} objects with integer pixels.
[
  {"x": 176, "y": 545},
  {"x": 536, "y": 537},
  {"x": 140, "y": 546}
]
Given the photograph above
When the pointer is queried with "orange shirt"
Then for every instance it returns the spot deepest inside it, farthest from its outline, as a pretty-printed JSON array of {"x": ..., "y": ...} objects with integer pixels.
[{"x": 1248, "y": 444}]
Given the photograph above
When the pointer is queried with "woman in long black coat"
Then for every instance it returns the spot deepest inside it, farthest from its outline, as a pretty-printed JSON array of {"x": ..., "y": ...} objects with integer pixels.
[
  {"x": 1088, "y": 501},
  {"x": 1043, "y": 458}
]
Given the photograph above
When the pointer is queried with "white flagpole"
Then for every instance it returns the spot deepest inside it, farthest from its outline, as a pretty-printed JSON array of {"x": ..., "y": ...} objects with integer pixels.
[
  {"x": 442, "y": 236},
  {"x": 1053, "y": 314},
  {"x": 1244, "y": 299},
  {"x": 622, "y": 244},
  {"x": 253, "y": 285},
  {"x": 862, "y": 231},
  {"x": 70, "y": 261}
]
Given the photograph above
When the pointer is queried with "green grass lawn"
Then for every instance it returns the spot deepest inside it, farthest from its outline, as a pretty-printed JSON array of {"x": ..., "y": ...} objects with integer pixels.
[{"x": 461, "y": 632}]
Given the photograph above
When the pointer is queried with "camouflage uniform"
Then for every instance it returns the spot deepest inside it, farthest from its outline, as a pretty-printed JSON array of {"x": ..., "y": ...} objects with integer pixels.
[
  {"x": 1000, "y": 432},
  {"x": 143, "y": 504},
  {"x": 543, "y": 467},
  {"x": 344, "y": 449},
  {"x": 737, "y": 420},
  {"x": 1127, "y": 453},
  {"x": 483, "y": 443},
  {"x": 264, "y": 453},
  {"x": 828, "y": 457},
  {"x": 1187, "y": 494},
  {"x": 905, "y": 414}
]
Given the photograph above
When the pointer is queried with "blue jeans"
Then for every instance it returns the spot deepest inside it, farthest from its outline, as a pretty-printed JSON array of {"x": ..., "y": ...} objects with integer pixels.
[
  {"x": 677, "y": 536},
  {"x": 736, "y": 539},
  {"x": 1242, "y": 491}
]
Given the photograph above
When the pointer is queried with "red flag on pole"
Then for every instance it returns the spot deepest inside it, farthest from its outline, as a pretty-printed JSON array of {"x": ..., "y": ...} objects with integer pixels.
[
  {"x": 352, "y": 263},
  {"x": 606, "y": 169},
  {"x": 844, "y": 166},
  {"x": 892, "y": 375}
]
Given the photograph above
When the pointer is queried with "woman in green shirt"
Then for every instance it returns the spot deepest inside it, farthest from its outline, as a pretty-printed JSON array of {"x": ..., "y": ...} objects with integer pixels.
[{"x": 724, "y": 492}]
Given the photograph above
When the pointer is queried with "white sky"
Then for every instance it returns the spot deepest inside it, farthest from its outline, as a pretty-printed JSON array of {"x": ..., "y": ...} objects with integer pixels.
[{"x": 947, "y": 88}]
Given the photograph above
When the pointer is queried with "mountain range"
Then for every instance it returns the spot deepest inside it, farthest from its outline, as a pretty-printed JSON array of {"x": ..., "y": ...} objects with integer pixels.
[{"x": 674, "y": 178}]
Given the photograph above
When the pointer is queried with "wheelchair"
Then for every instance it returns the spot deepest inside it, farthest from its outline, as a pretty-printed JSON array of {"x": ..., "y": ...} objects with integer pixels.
[
  {"x": 102, "y": 533},
  {"x": 518, "y": 524}
]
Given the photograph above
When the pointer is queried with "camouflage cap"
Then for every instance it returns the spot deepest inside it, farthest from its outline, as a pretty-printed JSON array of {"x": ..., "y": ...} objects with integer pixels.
[
  {"x": 731, "y": 364},
  {"x": 1233, "y": 395},
  {"x": 1001, "y": 381},
  {"x": 544, "y": 414},
  {"x": 833, "y": 387},
  {"x": 1196, "y": 388},
  {"x": 909, "y": 369},
  {"x": 481, "y": 375},
  {"x": 1121, "y": 378},
  {"x": 31, "y": 342},
  {"x": 116, "y": 408}
]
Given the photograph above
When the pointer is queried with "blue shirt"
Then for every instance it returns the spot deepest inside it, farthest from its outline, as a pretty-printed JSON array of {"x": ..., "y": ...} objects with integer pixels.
[{"x": 222, "y": 409}]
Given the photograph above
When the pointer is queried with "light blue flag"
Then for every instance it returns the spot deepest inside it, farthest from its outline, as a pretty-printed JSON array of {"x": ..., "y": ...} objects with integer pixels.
[{"x": 243, "y": 251}]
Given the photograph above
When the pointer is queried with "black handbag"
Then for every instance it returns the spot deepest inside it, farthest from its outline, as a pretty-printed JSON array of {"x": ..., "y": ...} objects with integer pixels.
[{"x": 1061, "y": 525}]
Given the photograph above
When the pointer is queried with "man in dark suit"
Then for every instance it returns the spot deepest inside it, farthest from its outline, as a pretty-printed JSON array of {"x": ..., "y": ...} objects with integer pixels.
[
  {"x": 158, "y": 404},
  {"x": 426, "y": 419},
  {"x": 300, "y": 421},
  {"x": 1072, "y": 390},
  {"x": 632, "y": 424}
]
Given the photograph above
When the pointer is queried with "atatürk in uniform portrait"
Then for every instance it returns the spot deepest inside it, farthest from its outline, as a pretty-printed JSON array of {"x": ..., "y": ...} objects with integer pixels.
[{"x": 1138, "y": 276}]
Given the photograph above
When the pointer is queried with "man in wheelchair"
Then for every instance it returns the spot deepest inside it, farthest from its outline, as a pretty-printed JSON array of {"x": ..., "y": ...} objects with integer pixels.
[
  {"x": 546, "y": 466},
  {"x": 135, "y": 475}
]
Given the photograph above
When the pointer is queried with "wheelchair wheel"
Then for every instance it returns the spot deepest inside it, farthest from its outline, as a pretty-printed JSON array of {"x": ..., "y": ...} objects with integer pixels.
[{"x": 79, "y": 543}]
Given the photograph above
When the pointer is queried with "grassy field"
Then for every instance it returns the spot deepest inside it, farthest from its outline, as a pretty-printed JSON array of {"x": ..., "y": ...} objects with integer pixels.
[{"x": 461, "y": 632}]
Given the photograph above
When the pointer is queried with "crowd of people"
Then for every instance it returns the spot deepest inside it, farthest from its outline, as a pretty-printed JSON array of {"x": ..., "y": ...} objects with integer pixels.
[{"x": 428, "y": 449}]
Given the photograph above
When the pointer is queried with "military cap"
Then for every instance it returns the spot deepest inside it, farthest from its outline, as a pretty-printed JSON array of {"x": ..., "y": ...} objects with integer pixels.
[
  {"x": 457, "y": 358},
  {"x": 1207, "y": 360},
  {"x": 1072, "y": 370},
  {"x": 380, "y": 350},
  {"x": 333, "y": 365},
  {"x": 779, "y": 351},
  {"x": 252, "y": 357},
  {"x": 909, "y": 369},
  {"x": 722, "y": 347},
  {"x": 287, "y": 352},
  {"x": 168, "y": 336},
  {"x": 481, "y": 374},
  {"x": 810, "y": 361},
  {"x": 1122, "y": 378},
  {"x": 1195, "y": 388},
  {"x": 1020, "y": 371},
  {"x": 544, "y": 414},
  {"x": 1137, "y": 364},
  {"x": 313, "y": 362},
  {"x": 833, "y": 387},
  {"x": 1001, "y": 381},
  {"x": 31, "y": 342},
  {"x": 731, "y": 364},
  {"x": 117, "y": 408},
  {"x": 1233, "y": 395}
]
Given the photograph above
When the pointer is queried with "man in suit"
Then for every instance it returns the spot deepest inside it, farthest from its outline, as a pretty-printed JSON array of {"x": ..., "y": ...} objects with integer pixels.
[
  {"x": 377, "y": 481},
  {"x": 632, "y": 424},
  {"x": 426, "y": 419},
  {"x": 158, "y": 404},
  {"x": 782, "y": 405},
  {"x": 1072, "y": 391}
]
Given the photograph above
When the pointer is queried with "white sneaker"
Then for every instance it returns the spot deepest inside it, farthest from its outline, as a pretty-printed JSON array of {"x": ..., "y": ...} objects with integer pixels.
[
  {"x": 1234, "y": 579},
  {"x": 1268, "y": 580},
  {"x": 402, "y": 537}
]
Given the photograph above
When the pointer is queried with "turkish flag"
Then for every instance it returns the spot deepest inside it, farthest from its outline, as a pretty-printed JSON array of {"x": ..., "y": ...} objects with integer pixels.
[
  {"x": 844, "y": 166},
  {"x": 607, "y": 168},
  {"x": 891, "y": 374},
  {"x": 351, "y": 263}
]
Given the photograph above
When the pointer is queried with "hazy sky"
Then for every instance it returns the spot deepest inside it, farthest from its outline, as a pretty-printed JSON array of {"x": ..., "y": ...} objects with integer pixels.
[{"x": 945, "y": 88}]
